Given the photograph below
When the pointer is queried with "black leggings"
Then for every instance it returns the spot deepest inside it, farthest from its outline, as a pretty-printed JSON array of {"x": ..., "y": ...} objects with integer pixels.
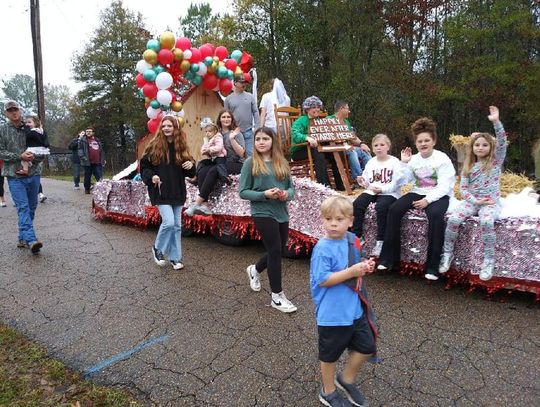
[
  {"x": 208, "y": 175},
  {"x": 382, "y": 205},
  {"x": 390, "y": 254},
  {"x": 1, "y": 186},
  {"x": 274, "y": 237},
  {"x": 319, "y": 162}
]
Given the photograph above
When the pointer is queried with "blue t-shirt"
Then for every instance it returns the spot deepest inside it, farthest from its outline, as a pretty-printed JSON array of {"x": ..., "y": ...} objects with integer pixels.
[{"x": 337, "y": 305}]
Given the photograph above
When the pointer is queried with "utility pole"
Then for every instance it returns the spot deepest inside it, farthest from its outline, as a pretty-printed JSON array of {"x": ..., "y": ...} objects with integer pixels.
[{"x": 38, "y": 62}]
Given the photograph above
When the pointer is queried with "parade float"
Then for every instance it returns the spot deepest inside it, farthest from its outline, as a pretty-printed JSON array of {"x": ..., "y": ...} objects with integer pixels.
[{"x": 175, "y": 77}]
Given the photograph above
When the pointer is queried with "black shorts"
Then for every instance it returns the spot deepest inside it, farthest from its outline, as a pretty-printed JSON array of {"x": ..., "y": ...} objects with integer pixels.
[{"x": 333, "y": 340}]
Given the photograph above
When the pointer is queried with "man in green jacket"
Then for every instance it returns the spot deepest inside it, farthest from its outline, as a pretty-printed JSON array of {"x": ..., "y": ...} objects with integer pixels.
[{"x": 24, "y": 189}]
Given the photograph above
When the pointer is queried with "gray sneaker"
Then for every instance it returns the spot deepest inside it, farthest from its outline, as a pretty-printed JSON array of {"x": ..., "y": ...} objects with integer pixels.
[
  {"x": 202, "y": 209},
  {"x": 190, "y": 211},
  {"x": 353, "y": 393},
  {"x": 446, "y": 261},
  {"x": 333, "y": 399},
  {"x": 376, "y": 252}
]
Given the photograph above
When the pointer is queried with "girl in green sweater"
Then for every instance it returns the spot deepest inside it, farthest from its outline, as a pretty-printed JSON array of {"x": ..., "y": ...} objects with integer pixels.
[{"x": 266, "y": 181}]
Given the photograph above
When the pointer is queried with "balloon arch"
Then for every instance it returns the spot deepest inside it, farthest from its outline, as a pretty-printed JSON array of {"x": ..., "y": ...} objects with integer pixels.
[{"x": 171, "y": 69}]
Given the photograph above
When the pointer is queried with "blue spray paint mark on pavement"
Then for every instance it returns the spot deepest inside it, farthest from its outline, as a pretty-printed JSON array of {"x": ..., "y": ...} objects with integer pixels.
[{"x": 123, "y": 355}]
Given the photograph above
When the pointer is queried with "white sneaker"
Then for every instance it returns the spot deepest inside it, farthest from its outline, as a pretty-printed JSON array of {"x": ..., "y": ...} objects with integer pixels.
[
  {"x": 42, "y": 197},
  {"x": 376, "y": 252},
  {"x": 76, "y": 187},
  {"x": 254, "y": 281},
  {"x": 190, "y": 211},
  {"x": 176, "y": 265},
  {"x": 487, "y": 270},
  {"x": 446, "y": 261},
  {"x": 203, "y": 209},
  {"x": 281, "y": 303},
  {"x": 382, "y": 267}
]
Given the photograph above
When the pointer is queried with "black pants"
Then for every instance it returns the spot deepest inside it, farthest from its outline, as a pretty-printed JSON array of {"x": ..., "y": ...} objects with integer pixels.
[
  {"x": 382, "y": 205},
  {"x": 1, "y": 186},
  {"x": 96, "y": 169},
  {"x": 319, "y": 162},
  {"x": 274, "y": 237},
  {"x": 435, "y": 211},
  {"x": 208, "y": 175}
]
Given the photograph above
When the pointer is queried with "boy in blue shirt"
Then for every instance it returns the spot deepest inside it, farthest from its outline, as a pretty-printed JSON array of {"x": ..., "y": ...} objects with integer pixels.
[{"x": 342, "y": 321}]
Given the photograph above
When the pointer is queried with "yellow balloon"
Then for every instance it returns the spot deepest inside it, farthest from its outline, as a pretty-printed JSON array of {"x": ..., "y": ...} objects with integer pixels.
[
  {"x": 166, "y": 40},
  {"x": 181, "y": 121},
  {"x": 147, "y": 100},
  {"x": 221, "y": 63},
  {"x": 184, "y": 65},
  {"x": 238, "y": 71},
  {"x": 176, "y": 106},
  {"x": 178, "y": 54},
  {"x": 216, "y": 59},
  {"x": 150, "y": 56},
  {"x": 211, "y": 69}
]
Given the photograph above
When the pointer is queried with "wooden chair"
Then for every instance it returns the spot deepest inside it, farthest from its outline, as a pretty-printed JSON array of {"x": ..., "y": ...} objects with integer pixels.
[{"x": 285, "y": 116}]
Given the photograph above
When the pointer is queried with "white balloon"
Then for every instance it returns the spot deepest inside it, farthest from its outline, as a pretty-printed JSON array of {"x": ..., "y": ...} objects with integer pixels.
[
  {"x": 164, "y": 97},
  {"x": 142, "y": 66},
  {"x": 187, "y": 54},
  {"x": 202, "y": 69},
  {"x": 164, "y": 80},
  {"x": 152, "y": 113},
  {"x": 181, "y": 113}
]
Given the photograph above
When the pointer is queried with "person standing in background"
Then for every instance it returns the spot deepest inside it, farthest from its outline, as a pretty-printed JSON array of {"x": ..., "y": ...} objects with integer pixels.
[
  {"x": 92, "y": 157},
  {"x": 278, "y": 96},
  {"x": 75, "y": 160},
  {"x": 244, "y": 108}
]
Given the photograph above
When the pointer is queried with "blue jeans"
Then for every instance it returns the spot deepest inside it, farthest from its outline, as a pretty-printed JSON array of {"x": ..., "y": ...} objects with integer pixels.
[
  {"x": 168, "y": 239},
  {"x": 24, "y": 192},
  {"x": 76, "y": 171},
  {"x": 248, "y": 139},
  {"x": 358, "y": 159},
  {"x": 96, "y": 169}
]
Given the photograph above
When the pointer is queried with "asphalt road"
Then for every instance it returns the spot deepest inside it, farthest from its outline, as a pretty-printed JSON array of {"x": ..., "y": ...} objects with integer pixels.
[{"x": 201, "y": 337}]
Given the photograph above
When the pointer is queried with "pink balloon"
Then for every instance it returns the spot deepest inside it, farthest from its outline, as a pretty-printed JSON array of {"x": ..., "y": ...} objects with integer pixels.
[
  {"x": 196, "y": 56},
  {"x": 225, "y": 86},
  {"x": 165, "y": 56},
  {"x": 150, "y": 90},
  {"x": 153, "y": 124},
  {"x": 231, "y": 64},
  {"x": 139, "y": 80},
  {"x": 210, "y": 81},
  {"x": 221, "y": 52},
  {"x": 206, "y": 51},
  {"x": 183, "y": 43}
]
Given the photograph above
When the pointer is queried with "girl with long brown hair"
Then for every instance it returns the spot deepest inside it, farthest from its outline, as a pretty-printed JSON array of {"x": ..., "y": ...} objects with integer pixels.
[
  {"x": 165, "y": 163},
  {"x": 266, "y": 182}
]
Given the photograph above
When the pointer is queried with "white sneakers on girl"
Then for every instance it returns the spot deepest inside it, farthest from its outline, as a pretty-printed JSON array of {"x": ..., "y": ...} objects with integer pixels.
[
  {"x": 487, "y": 270},
  {"x": 281, "y": 303},
  {"x": 376, "y": 252},
  {"x": 254, "y": 280},
  {"x": 446, "y": 261}
]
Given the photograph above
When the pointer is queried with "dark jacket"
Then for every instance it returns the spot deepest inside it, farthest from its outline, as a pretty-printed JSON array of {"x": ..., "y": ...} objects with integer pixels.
[
  {"x": 74, "y": 147},
  {"x": 36, "y": 139},
  {"x": 172, "y": 190},
  {"x": 83, "y": 151}
]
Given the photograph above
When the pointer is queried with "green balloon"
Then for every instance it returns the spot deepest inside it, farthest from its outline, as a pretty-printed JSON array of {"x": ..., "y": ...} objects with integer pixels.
[
  {"x": 221, "y": 72},
  {"x": 153, "y": 45},
  {"x": 154, "y": 103},
  {"x": 236, "y": 55},
  {"x": 208, "y": 61},
  {"x": 230, "y": 74},
  {"x": 194, "y": 68},
  {"x": 158, "y": 69},
  {"x": 149, "y": 75},
  {"x": 197, "y": 80}
]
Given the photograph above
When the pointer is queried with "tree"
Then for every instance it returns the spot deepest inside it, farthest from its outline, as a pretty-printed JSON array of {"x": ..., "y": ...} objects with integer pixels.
[
  {"x": 110, "y": 100},
  {"x": 21, "y": 88},
  {"x": 198, "y": 23}
]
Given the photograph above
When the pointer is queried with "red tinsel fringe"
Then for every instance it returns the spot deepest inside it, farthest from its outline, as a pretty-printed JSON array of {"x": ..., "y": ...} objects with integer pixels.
[{"x": 243, "y": 227}]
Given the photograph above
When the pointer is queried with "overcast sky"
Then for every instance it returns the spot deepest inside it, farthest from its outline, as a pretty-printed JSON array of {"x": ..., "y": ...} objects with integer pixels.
[{"x": 66, "y": 26}]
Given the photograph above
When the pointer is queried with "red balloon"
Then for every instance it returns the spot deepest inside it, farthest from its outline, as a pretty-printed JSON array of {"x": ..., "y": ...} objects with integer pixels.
[
  {"x": 210, "y": 81},
  {"x": 247, "y": 77},
  {"x": 165, "y": 56},
  {"x": 196, "y": 56},
  {"x": 153, "y": 124},
  {"x": 139, "y": 79},
  {"x": 225, "y": 86},
  {"x": 231, "y": 64},
  {"x": 246, "y": 62},
  {"x": 206, "y": 51},
  {"x": 150, "y": 90},
  {"x": 221, "y": 52},
  {"x": 183, "y": 43}
]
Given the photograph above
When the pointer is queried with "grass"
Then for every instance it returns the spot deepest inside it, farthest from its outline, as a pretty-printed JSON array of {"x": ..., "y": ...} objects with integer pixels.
[{"x": 28, "y": 377}]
